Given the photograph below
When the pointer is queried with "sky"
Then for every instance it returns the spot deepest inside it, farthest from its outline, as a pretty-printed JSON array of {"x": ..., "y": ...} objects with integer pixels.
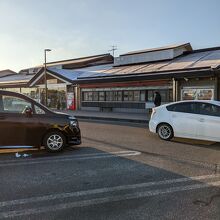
[{"x": 77, "y": 28}]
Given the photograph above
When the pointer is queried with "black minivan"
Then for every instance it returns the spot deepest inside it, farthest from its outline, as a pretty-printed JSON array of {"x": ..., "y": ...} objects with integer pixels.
[{"x": 24, "y": 121}]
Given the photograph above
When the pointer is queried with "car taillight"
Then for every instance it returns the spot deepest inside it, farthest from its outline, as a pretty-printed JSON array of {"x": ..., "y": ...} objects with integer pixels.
[{"x": 153, "y": 112}]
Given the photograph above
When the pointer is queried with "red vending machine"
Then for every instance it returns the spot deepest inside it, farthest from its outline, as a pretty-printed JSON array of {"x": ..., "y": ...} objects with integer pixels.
[{"x": 71, "y": 102}]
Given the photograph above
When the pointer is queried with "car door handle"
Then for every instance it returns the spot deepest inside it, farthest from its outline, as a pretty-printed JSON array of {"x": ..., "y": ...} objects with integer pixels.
[{"x": 201, "y": 119}]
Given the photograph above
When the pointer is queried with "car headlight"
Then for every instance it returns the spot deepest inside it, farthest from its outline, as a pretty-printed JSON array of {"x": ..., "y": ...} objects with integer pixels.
[{"x": 73, "y": 121}]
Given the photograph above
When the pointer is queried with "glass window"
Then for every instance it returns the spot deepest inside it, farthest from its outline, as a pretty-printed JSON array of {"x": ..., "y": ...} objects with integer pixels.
[
  {"x": 165, "y": 94},
  {"x": 85, "y": 96},
  {"x": 119, "y": 96},
  {"x": 112, "y": 96},
  {"x": 107, "y": 96},
  {"x": 95, "y": 96},
  {"x": 205, "y": 94},
  {"x": 136, "y": 96},
  {"x": 130, "y": 95},
  {"x": 125, "y": 96},
  {"x": 90, "y": 96},
  {"x": 200, "y": 94},
  {"x": 208, "y": 109},
  {"x": 39, "y": 110},
  {"x": 188, "y": 107},
  {"x": 188, "y": 94},
  {"x": 31, "y": 92},
  {"x": 14, "y": 104},
  {"x": 150, "y": 95},
  {"x": 143, "y": 96},
  {"x": 115, "y": 93},
  {"x": 170, "y": 95},
  {"x": 101, "y": 96}
]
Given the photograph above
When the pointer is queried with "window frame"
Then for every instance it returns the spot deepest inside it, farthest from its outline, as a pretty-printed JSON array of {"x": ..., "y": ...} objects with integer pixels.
[
  {"x": 206, "y": 103},
  {"x": 17, "y": 97},
  {"x": 171, "y": 107}
]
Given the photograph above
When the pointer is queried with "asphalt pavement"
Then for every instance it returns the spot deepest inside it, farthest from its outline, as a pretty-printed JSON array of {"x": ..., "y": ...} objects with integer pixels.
[
  {"x": 142, "y": 118},
  {"x": 121, "y": 171}
]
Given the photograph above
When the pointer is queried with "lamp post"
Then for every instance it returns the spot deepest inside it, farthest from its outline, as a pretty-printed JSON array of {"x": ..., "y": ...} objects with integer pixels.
[{"x": 45, "y": 73}]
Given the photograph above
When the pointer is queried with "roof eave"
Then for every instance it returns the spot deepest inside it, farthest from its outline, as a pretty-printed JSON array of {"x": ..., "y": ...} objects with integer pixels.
[
  {"x": 147, "y": 76},
  {"x": 40, "y": 74}
]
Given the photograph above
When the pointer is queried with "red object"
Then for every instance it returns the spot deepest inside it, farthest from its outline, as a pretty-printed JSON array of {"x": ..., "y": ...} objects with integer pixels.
[{"x": 72, "y": 106}]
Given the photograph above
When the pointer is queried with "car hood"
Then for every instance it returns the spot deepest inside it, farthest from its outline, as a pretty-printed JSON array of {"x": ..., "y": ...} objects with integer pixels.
[{"x": 64, "y": 115}]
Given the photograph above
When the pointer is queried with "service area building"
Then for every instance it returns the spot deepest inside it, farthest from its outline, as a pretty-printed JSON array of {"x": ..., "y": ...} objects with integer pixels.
[
  {"x": 177, "y": 72},
  {"x": 126, "y": 83}
]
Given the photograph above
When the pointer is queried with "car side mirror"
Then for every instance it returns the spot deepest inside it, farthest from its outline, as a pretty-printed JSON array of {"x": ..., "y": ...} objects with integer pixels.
[{"x": 28, "y": 111}]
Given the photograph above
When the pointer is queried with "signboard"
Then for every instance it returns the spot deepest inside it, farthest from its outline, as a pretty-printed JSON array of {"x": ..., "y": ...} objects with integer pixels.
[{"x": 199, "y": 94}]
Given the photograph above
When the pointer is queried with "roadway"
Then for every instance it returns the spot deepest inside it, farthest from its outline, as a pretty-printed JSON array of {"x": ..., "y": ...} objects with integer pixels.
[{"x": 121, "y": 171}]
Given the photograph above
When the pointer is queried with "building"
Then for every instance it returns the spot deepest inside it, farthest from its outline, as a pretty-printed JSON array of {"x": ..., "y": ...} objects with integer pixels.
[
  {"x": 62, "y": 77},
  {"x": 177, "y": 72},
  {"x": 127, "y": 83},
  {"x": 17, "y": 82},
  {"x": 7, "y": 72}
]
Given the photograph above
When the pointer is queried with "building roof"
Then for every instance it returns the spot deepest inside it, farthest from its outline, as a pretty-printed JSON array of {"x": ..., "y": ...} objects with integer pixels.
[
  {"x": 173, "y": 46},
  {"x": 191, "y": 63},
  {"x": 195, "y": 60},
  {"x": 15, "y": 80},
  {"x": 149, "y": 76},
  {"x": 83, "y": 72},
  {"x": 69, "y": 76},
  {"x": 83, "y": 61},
  {"x": 199, "y": 63},
  {"x": 6, "y": 72}
]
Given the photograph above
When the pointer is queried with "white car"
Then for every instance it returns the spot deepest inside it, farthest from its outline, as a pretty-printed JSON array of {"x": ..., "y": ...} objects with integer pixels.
[{"x": 197, "y": 119}]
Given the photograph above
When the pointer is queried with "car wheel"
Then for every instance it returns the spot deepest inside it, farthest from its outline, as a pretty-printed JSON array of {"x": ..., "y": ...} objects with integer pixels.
[
  {"x": 54, "y": 141},
  {"x": 165, "y": 132}
]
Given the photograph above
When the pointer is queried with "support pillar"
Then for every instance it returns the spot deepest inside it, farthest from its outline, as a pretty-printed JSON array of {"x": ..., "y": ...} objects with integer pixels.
[
  {"x": 216, "y": 89},
  {"x": 175, "y": 90},
  {"x": 77, "y": 96}
]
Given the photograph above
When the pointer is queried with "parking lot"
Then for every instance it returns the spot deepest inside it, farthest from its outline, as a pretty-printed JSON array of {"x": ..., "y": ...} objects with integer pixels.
[{"x": 121, "y": 171}]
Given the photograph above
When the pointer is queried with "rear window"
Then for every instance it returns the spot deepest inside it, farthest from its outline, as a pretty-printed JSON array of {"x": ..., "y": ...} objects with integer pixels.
[
  {"x": 208, "y": 109},
  {"x": 186, "y": 107}
]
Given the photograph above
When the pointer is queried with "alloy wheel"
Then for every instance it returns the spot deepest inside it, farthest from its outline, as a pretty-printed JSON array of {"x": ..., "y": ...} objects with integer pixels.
[
  {"x": 165, "y": 132},
  {"x": 55, "y": 142}
]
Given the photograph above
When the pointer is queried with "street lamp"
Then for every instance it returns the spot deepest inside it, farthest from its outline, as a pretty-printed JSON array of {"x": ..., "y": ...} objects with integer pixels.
[{"x": 45, "y": 73}]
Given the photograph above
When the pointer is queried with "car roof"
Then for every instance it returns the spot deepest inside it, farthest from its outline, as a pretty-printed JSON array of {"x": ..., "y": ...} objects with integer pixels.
[
  {"x": 5, "y": 92},
  {"x": 206, "y": 101},
  {"x": 8, "y": 92}
]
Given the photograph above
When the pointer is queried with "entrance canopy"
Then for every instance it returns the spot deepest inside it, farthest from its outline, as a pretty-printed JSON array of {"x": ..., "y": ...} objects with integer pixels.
[{"x": 69, "y": 77}]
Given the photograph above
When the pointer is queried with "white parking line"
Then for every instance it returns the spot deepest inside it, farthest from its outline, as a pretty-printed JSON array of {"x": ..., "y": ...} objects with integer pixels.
[
  {"x": 107, "y": 199},
  {"x": 68, "y": 158},
  {"x": 105, "y": 190}
]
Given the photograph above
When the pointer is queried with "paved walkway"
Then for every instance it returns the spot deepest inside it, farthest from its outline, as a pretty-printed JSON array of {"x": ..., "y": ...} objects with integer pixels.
[{"x": 110, "y": 116}]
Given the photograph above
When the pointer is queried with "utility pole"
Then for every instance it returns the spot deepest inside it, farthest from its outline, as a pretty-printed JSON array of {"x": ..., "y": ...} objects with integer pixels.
[
  {"x": 45, "y": 74},
  {"x": 114, "y": 48}
]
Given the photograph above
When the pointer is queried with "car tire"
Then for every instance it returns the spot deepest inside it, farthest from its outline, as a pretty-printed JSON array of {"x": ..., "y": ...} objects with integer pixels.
[
  {"x": 54, "y": 141},
  {"x": 165, "y": 132}
]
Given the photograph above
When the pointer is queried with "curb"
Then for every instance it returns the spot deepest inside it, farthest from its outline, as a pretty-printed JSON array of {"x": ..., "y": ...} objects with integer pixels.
[{"x": 139, "y": 121}]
